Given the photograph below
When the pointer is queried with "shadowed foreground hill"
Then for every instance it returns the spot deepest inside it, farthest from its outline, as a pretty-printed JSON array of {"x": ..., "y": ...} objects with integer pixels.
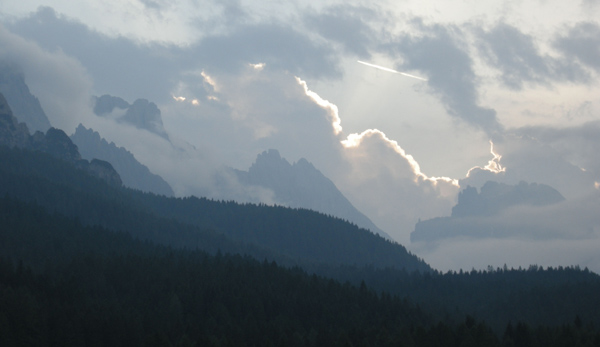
[
  {"x": 95, "y": 287},
  {"x": 539, "y": 297},
  {"x": 302, "y": 235},
  {"x": 88, "y": 285},
  {"x": 133, "y": 174}
]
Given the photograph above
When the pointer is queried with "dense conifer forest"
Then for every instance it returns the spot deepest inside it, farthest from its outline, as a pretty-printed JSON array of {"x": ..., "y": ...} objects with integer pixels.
[{"x": 84, "y": 263}]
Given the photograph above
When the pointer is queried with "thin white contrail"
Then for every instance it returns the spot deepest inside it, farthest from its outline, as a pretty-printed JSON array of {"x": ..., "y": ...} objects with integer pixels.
[{"x": 392, "y": 71}]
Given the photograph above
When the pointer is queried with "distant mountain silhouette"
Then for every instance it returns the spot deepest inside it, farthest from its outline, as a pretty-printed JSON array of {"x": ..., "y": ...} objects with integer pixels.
[
  {"x": 133, "y": 173},
  {"x": 142, "y": 114},
  {"x": 25, "y": 107},
  {"x": 55, "y": 142},
  {"x": 301, "y": 185},
  {"x": 470, "y": 215}
]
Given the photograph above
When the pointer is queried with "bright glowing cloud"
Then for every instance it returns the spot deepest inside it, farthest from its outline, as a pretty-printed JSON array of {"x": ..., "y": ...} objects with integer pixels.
[
  {"x": 493, "y": 165},
  {"x": 258, "y": 67},
  {"x": 209, "y": 80},
  {"x": 355, "y": 140},
  {"x": 332, "y": 109}
]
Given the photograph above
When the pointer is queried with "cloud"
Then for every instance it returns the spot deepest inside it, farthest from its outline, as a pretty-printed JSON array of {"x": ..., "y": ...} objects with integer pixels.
[
  {"x": 130, "y": 69},
  {"x": 478, "y": 254},
  {"x": 268, "y": 108},
  {"x": 153, "y": 4},
  {"x": 119, "y": 66},
  {"x": 581, "y": 43},
  {"x": 386, "y": 184},
  {"x": 243, "y": 111},
  {"x": 440, "y": 53},
  {"x": 235, "y": 116},
  {"x": 347, "y": 25},
  {"x": 531, "y": 161},
  {"x": 60, "y": 82},
  {"x": 278, "y": 46},
  {"x": 517, "y": 56},
  {"x": 577, "y": 144}
]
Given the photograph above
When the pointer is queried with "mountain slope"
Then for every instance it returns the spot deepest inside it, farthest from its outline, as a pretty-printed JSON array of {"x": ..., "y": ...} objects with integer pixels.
[
  {"x": 90, "y": 286},
  {"x": 134, "y": 174},
  {"x": 25, "y": 107},
  {"x": 55, "y": 142},
  {"x": 301, "y": 185},
  {"x": 288, "y": 235}
]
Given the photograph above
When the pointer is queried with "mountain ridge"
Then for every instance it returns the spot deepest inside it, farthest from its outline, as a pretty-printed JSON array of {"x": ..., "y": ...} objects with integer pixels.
[
  {"x": 142, "y": 114},
  {"x": 25, "y": 106},
  {"x": 133, "y": 173},
  {"x": 301, "y": 185},
  {"x": 55, "y": 142}
]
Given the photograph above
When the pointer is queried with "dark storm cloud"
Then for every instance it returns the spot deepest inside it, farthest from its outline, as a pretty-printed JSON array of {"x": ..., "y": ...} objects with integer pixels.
[
  {"x": 518, "y": 58},
  {"x": 119, "y": 66},
  {"x": 581, "y": 42},
  {"x": 514, "y": 53},
  {"x": 278, "y": 46},
  {"x": 440, "y": 53},
  {"x": 129, "y": 69},
  {"x": 346, "y": 25}
]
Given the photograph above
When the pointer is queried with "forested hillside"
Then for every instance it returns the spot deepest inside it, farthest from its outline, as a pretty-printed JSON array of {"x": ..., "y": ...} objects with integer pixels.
[
  {"x": 299, "y": 235},
  {"x": 65, "y": 284}
]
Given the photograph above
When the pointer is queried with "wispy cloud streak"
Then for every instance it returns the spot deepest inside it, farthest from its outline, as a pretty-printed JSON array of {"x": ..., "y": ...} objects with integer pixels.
[{"x": 391, "y": 70}]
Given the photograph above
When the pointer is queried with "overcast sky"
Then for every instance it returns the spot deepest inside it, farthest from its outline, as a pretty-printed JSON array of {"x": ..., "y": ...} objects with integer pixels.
[{"x": 234, "y": 78}]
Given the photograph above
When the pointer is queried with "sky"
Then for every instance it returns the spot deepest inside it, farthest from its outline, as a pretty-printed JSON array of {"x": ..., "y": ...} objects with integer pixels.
[{"x": 507, "y": 91}]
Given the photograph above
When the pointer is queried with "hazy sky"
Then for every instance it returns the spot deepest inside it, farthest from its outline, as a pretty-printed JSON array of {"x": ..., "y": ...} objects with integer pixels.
[{"x": 522, "y": 75}]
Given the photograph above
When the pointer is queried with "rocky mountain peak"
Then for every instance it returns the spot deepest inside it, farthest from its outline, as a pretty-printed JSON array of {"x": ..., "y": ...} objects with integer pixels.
[
  {"x": 270, "y": 161},
  {"x": 142, "y": 114},
  {"x": 55, "y": 142},
  {"x": 58, "y": 144},
  {"x": 105, "y": 104},
  {"x": 132, "y": 173},
  {"x": 301, "y": 185}
]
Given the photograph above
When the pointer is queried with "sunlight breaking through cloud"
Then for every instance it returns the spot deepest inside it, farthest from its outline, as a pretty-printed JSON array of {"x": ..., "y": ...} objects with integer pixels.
[
  {"x": 331, "y": 108},
  {"x": 258, "y": 67},
  {"x": 493, "y": 165},
  {"x": 355, "y": 140}
]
